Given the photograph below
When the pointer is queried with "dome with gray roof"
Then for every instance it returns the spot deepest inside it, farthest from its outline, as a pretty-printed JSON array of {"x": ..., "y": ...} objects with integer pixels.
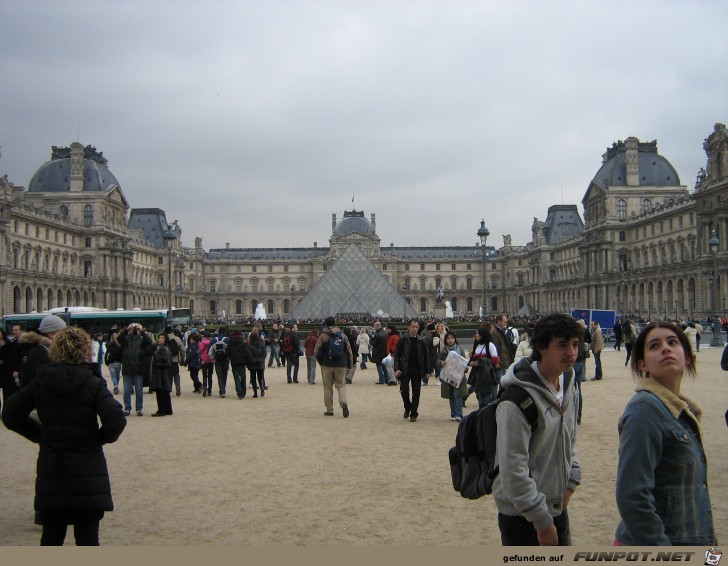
[
  {"x": 654, "y": 170},
  {"x": 54, "y": 176},
  {"x": 354, "y": 222}
]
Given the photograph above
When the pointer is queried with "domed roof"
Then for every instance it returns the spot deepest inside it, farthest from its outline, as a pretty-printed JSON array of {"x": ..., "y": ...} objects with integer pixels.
[
  {"x": 654, "y": 170},
  {"x": 354, "y": 222},
  {"x": 54, "y": 176}
]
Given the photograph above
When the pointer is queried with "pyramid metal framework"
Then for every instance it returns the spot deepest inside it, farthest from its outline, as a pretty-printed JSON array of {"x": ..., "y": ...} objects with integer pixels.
[{"x": 353, "y": 285}]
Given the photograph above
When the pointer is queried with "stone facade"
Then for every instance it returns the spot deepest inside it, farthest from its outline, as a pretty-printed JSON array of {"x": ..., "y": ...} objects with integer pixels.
[{"x": 642, "y": 249}]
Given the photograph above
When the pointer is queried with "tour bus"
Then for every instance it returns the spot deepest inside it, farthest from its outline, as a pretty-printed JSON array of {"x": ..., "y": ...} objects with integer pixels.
[{"x": 92, "y": 320}]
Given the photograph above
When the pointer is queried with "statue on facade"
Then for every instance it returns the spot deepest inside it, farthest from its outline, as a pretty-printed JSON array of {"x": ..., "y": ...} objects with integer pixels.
[
  {"x": 440, "y": 297},
  {"x": 506, "y": 239}
]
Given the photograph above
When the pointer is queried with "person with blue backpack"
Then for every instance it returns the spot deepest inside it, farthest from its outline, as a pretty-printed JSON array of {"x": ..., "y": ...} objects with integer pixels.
[
  {"x": 537, "y": 463},
  {"x": 334, "y": 355}
]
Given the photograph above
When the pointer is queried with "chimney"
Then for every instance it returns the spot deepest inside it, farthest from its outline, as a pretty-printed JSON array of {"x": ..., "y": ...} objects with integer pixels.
[
  {"x": 333, "y": 223},
  {"x": 374, "y": 222},
  {"x": 631, "y": 145},
  {"x": 76, "y": 167}
]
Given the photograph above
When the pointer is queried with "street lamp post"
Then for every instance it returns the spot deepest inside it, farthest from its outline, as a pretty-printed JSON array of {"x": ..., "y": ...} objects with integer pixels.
[
  {"x": 483, "y": 234},
  {"x": 169, "y": 238},
  {"x": 713, "y": 245}
]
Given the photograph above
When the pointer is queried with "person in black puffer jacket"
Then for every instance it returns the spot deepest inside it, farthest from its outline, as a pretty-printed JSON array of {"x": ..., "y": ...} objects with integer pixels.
[
  {"x": 72, "y": 485},
  {"x": 257, "y": 362},
  {"x": 238, "y": 352}
]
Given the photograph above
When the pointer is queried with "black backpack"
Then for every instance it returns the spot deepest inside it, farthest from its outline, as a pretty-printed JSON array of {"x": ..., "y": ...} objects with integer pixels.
[
  {"x": 472, "y": 459},
  {"x": 172, "y": 345}
]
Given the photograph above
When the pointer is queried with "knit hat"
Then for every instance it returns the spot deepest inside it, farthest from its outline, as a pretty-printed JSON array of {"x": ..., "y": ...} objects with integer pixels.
[{"x": 51, "y": 323}]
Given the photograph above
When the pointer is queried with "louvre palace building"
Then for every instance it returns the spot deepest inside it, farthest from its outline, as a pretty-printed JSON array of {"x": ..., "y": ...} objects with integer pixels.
[{"x": 642, "y": 243}]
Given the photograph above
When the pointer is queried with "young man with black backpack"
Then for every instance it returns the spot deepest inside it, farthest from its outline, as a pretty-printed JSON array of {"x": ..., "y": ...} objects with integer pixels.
[
  {"x": 333, "y": 353},
  {"x": 218, "y": 352},
  {"x": 538, "y": 468}
]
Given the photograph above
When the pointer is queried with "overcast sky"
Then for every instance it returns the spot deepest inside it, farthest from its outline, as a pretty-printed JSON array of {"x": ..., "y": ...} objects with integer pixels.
[{"x": 252, "y": 122}]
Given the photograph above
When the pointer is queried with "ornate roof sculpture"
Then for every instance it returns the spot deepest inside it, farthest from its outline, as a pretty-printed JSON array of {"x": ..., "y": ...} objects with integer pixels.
[{"x": 353, "y": 284}]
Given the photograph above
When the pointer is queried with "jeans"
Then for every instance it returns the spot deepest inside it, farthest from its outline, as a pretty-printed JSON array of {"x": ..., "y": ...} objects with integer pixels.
[
  {"x": 383, "y": 378},
  {"x": 137, "y": 382},
  {"x": 518, "y": 531},
  {"x": 412, "y": 404},
  {"x": 221, "y": 370},
  {"x": 456, "y": 404},
  {"x": 628, "y": 347},
  {"x": 579, "y": 376},
  {"x": 257, "y": 379},
  {"x": 364, "y": 359},
  {"x": 349, "y": 377},
  {"x": 239, "y": 378},
  {"x": 194, "y": 373},
  {"x": 597, "y": 365},
  {"x": 274, "y": 353},
  {"x": 207, "y": 377},
  {"x": 292, "y": 365},
  {"x": 115, "y": 372},
  {"x": 86, "y": 533},
  {"x": 311, "y": 369}
]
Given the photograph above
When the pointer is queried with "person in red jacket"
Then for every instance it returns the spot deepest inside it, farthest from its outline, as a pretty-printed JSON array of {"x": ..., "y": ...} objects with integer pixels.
[{"x": 309, "y": 347}]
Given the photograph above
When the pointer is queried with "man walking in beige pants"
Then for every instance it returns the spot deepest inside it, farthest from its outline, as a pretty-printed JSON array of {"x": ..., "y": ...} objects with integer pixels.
[{"x": 333, "y": 353}]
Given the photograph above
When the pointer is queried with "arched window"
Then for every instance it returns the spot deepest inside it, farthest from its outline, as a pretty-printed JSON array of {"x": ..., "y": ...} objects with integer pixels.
[
  {"x": 270, "y": 308},
  {"x": 454, "y": 303},
  {"x": 423, "y": 305},
  {"x": 469, "y": 304},
  {"x": 646, "y": 205},
  {"x": 63, "y": 210},
  {"x": 238, "y": 307},
  {"x": 622, "y": 209},
  {"x": 286, "y": 306},
  {"x": 213, "y": 308},
  {"x": 88, "y": 215}
]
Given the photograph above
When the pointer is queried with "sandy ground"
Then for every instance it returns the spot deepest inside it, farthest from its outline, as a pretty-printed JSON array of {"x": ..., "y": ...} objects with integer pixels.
[{"x": 275, "y": 471}]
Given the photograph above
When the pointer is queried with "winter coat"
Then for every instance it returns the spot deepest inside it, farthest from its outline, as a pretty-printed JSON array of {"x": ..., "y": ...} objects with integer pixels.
[
  {"x": 310, "y": 344},
  {"x": 204, "y": 349},
  {"x": 257, "y": 352},
  {"x": 402, "y": 356},
  {"x": 378, "y": 346},
  {"x": 35, "y": 353},
  {"x": 192, "y": 356},
  {"x": 72, "y": 476},
  {"x": 133, "y": 352},
  {"x": 363, "y": 342},
  {"x": 160, "y": 371},
  {"x": 238, "y": 351},
  {"x": 597, "y": 340}
]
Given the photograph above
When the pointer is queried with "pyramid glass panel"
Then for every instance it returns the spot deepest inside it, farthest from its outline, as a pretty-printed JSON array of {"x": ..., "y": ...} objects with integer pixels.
[{"x": 353, "y": 284}]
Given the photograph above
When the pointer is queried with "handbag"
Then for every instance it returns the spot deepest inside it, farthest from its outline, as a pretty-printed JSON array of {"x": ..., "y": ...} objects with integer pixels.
[
  {"x": 585, "y": 350},
  {"x": 388, "y": 361}
]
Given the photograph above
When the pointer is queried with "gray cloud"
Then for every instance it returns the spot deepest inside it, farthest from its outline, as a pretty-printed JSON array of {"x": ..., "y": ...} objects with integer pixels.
[{"x": 251, "y": 123}]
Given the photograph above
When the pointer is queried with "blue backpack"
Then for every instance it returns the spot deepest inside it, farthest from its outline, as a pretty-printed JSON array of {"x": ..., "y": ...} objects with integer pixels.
[{"x": 336, "y": 346}]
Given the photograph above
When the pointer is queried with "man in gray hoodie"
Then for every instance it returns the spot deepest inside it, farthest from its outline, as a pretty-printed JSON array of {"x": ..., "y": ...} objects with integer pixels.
[{"x": 539, "y": 469}]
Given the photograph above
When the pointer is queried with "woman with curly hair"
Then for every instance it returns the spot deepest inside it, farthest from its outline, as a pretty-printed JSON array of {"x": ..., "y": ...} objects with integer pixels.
[{"x": 72, "y": 486}]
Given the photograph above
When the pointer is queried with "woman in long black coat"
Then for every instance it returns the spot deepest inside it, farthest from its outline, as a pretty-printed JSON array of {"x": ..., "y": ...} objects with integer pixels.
[
  {"x": 160, "y": 377},
  {"x": 72, "y": 486},
  {"x": 256, "y": 366}
]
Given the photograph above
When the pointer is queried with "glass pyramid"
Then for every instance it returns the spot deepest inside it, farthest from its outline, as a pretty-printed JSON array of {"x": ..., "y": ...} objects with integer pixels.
[{"x": 353, "y": 284}]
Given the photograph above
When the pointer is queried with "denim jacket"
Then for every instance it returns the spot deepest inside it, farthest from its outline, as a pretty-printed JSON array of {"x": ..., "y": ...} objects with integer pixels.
[{"x": 662, "y": 474}]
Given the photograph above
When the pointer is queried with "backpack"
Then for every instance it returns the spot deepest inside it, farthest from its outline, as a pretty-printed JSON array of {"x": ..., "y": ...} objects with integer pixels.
[
  {"x": 336, "y": 346},
  {"x": 172, "y": 345},
  {"x": 287, "y": 347},
  {"x": 472, "y": 459},
  {"x": 218, "y": 350}
]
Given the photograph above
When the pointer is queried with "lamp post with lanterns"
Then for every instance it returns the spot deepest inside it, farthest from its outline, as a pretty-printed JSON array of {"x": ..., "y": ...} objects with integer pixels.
[
  {"x": 483, "y": 234},
  {"x": 169, "y": 238},
  {"x": 713, "y": 246}
]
